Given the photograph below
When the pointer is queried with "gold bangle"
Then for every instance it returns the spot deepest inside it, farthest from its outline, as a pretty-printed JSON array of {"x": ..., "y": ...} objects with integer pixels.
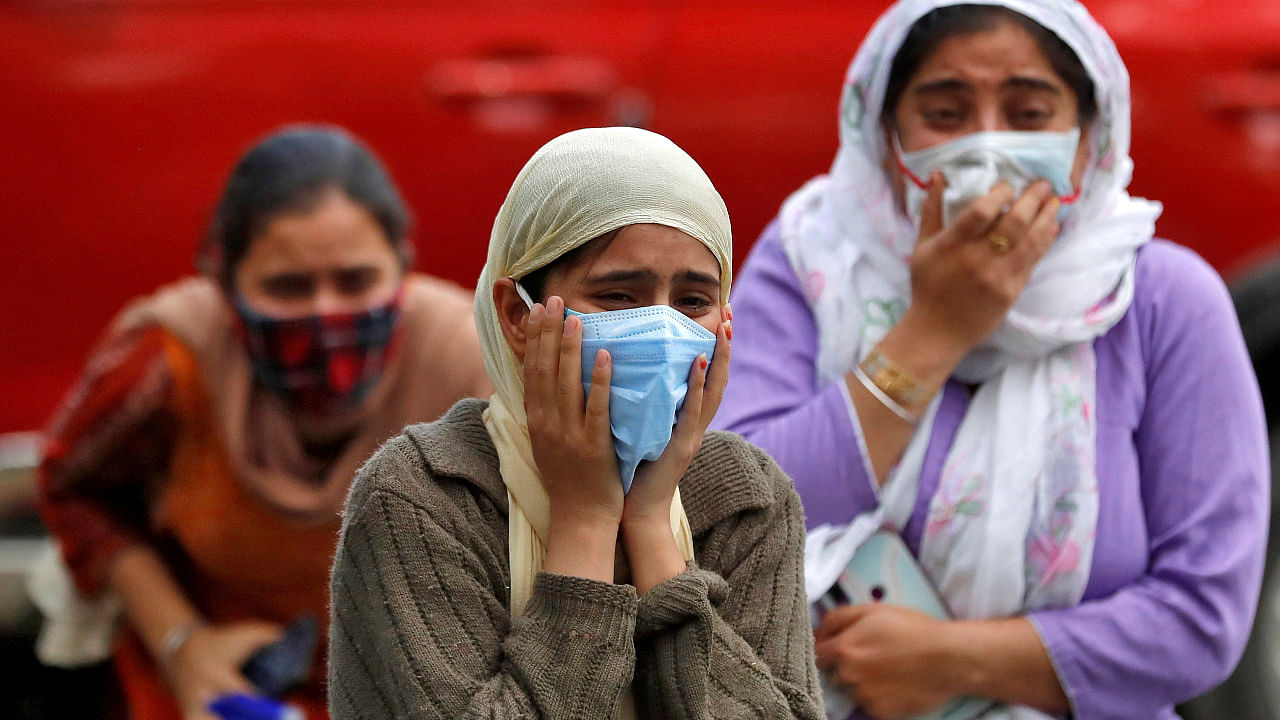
[
  {"x": 884, "y": 399},
  {"x": 892, "y": 380}
]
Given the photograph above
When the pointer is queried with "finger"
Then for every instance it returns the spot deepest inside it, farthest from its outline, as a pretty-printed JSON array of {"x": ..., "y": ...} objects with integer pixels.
[
  {"x": 551, "y": 331},
  {"x": 569, "y": 385},
  {"x": 824, "y": 654},
  {"x": 533, "y": 338},
  {"x": 597, "y": 417},
  {"x": 232, "y": 681},
  {"x": 1017, "y": 221},
  {"x": 718, "y": 376},
  {"x": 931, "y": 211},
  {"x": 977, "y": 219},
  {"x": 1041, "y": 234},
  {"x": 689, "y": 421},
  {"x": 838, "y": 618}
]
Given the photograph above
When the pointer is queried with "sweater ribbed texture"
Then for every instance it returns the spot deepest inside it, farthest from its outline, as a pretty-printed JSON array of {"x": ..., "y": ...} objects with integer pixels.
[{"x": 421, "y": 629}]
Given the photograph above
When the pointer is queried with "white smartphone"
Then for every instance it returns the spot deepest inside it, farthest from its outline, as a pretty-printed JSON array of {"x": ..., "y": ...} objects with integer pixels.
[{"x": 883, "y": 571}]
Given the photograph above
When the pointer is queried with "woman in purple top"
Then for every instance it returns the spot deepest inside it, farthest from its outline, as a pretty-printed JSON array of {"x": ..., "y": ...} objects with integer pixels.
[{"x": 966, "y": 334}]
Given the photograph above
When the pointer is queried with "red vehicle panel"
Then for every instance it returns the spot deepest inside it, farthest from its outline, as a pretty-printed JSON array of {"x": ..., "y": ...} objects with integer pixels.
[{"x": 124, "y": 117}]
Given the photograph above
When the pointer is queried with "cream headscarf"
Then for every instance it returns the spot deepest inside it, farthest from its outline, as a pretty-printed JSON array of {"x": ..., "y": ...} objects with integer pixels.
[{"x": 578, "y": 187}]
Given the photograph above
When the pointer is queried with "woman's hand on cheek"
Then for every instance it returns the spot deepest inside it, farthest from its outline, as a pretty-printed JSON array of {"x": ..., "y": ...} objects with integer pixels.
[
  {"x": 656, "y": 481},
  {"x": 646, "y": 518},
  {"x": 892, "y": 660},
  {"x": 572, "y": 444}
]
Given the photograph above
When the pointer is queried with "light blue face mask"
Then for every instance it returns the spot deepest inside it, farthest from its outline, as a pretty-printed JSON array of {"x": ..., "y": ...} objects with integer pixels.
[
  {"x": 652, "y": 350},
  {"x": 974, "y": 163}
]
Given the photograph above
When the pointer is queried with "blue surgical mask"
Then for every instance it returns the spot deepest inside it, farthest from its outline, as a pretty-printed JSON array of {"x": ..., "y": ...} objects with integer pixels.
[
  {"x": 652, "y": 350},
  {"x": 974, "y": 163}
]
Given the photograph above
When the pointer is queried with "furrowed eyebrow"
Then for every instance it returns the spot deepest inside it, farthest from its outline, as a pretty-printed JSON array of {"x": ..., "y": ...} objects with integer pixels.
[
  {"x": 620, "y": 276},
  {"x": 956, "y": 85},
  {"x": 698, "y": 278},
  {"x": 945, "y": 85},
  {"x": 1032, "y": 83}
]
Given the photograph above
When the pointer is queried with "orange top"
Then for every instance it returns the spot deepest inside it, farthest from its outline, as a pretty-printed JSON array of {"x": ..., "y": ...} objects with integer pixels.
[{"x": 246, "y": 562}]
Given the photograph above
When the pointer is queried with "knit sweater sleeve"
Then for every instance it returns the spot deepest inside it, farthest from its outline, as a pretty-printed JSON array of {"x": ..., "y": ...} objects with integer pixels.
[
  {"x": 730, "y": 636},
  {"x": 420, "y": 625}
]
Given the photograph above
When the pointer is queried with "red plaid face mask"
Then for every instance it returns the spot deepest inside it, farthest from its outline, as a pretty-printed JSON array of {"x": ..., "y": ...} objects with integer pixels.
[{"x": 320, "y": 363}]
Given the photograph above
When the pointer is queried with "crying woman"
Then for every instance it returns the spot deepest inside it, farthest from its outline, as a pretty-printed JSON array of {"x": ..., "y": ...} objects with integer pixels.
[{"x": 579, "y": 545}]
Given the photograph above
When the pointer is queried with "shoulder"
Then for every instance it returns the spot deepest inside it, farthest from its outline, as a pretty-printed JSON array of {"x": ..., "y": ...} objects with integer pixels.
[
  {"x": 426, "y": 291},
  {"x": 440, "y": 315},
  {"x": 193, "y": 310},
  {"x": 441, "y": 338},
  {"x": 732, "y": 479},
  {"x": 434, "y": 466},
  {"x": 1178, "y": 296},
  {"x": 1171, "y": 279},
  {"x": 767, "y": 254}
]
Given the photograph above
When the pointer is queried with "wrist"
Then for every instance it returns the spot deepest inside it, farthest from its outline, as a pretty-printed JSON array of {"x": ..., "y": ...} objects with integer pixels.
[
  {"x": 927, "y": 352},
  {"x": 639, "y": 528},
  {"x": 964, "y": 669},
  {"x": 582, "y": 546},
  {"x": 177, "y": 637},
  {"x": 652, "y": 552}
]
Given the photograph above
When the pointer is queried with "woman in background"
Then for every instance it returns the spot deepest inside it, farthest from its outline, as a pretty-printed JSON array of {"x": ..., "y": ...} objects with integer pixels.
[
  {"x": 966, "y": 335},
  {"x": 198, "y": 469}
]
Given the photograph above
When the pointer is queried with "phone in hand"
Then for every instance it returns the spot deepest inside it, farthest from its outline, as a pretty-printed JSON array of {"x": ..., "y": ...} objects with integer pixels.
[
  {"x": 278, "y": 667},
  {"x": 884, "y": 571}
]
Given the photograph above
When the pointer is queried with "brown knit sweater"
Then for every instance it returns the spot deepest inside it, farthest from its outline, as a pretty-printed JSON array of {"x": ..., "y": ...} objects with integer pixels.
[{"x": 421, "y": 629}]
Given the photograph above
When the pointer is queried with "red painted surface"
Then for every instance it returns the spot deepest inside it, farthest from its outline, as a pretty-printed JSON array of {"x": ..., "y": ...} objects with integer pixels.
[{"x": 122, "y": 117}]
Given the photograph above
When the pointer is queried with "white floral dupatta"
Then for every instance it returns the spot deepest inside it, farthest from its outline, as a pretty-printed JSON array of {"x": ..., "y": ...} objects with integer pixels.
[{"x": 1011, "y": 526}]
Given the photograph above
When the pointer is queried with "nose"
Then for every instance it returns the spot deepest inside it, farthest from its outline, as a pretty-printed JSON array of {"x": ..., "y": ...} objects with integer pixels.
[
  {"x": 991, "y": 119},
  {"x": 328, "y": 301}
]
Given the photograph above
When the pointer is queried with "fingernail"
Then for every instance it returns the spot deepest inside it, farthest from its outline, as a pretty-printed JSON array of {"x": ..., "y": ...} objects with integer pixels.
[
  {"x": 728, "y": 310},
  {"x": 702, "y": 362},
  {"x": 728, "y": 330}
]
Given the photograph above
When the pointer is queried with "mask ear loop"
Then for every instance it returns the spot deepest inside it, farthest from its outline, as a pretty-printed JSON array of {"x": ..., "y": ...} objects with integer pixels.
[
  {"x": 524, "y": 294},
  {"x": 897, "y": 158}
]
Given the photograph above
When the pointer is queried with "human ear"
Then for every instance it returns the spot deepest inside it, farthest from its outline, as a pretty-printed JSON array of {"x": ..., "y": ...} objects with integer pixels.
[{"x": 513, "y": 314}]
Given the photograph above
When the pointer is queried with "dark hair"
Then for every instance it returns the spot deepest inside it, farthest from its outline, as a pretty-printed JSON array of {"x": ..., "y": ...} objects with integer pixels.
[
  {"x": 289, "y": 171},
  {"x": 941, "y": 23},
  {"x": 535, "y": 281}
]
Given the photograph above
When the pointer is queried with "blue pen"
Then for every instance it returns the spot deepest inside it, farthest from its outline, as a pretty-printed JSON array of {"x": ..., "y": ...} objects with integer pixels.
[{"x": 248, "y": 707}]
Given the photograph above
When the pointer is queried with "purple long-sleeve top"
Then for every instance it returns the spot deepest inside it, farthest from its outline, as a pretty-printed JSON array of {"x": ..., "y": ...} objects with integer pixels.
[{"x": 1182, "y": 473}]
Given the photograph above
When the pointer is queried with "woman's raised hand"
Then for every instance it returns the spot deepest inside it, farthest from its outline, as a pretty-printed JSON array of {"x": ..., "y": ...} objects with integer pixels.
[
  {"x": 572, "y": 444},
  {"x": 655, "y": 482},
  {"x": 646, "y": 517},
  {"x": 966, "y": 277}
]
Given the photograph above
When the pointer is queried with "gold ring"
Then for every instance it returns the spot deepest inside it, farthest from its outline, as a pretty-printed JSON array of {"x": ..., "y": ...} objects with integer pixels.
[{"x": 999, "y": 243}]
